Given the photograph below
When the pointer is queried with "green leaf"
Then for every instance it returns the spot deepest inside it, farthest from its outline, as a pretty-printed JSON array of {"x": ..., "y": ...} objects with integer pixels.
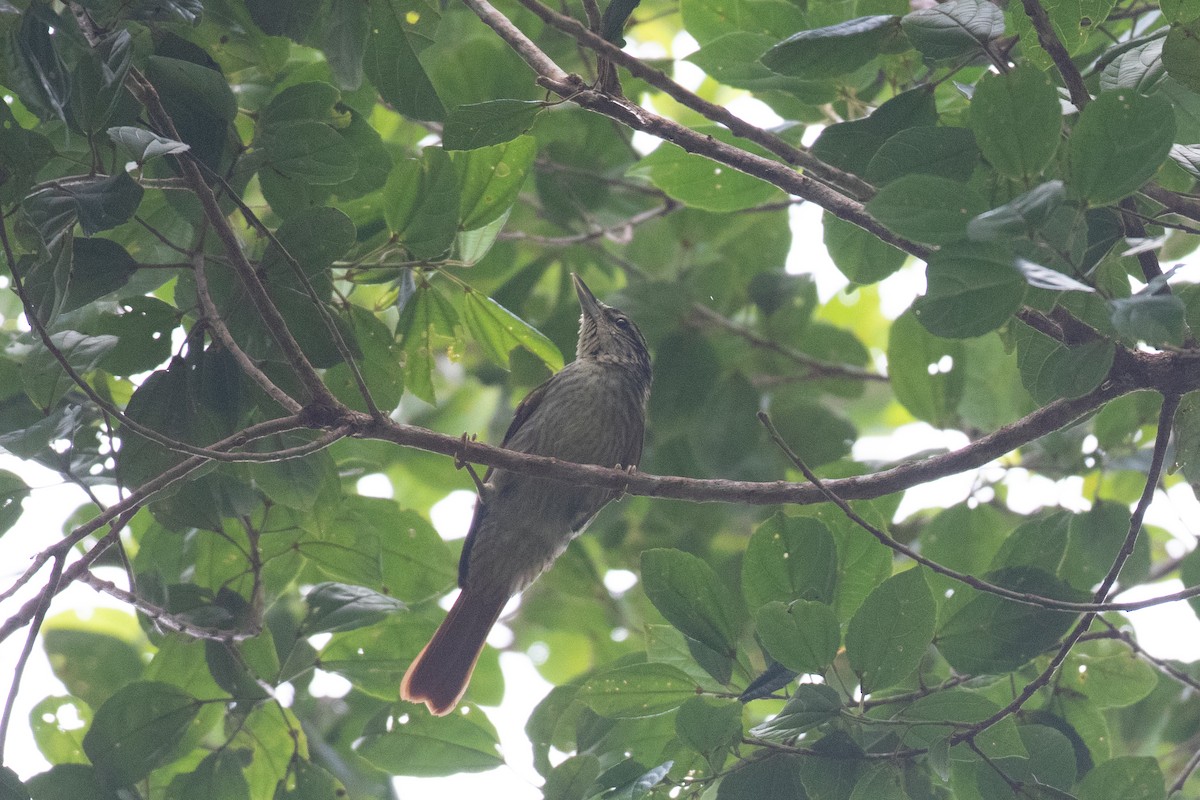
[
  {"x": 836, "y": 49},
  {"x": 144, "y": 145},
  {"x": 927, "y": 372},
  {"x": 421, "y": 203},
  {"x": 1024, "y": 215},
  {"x": 67, "y": 782},
  {"x": 789, "y": 558},
  {"x": 772, "y": 778},
  {"x": 709, "y": 725},
  {"x": 310, "y": 152},
  {"x": 44, "y": 379},
  {"x": 138, "y": 729},
  {"x": 888, "y": 635},
  {"x": 636, "y": 690},
  {"x": 927, "y": 208},
  {"x": 344, "y": 39},
  {"x": 202, "y": 85},
  {"x": 96, "y": 203},
  {"x": 497, "y": 330},
  {"x": 953, "y": 29},
  {"x": 490, "y": 178},
  {"x": 1180, "y": 52},
  {"x": 1050, "y": 369},
  {"x": 1121, "y": 139},
  {"x": 98, "y": 81},
  {"x": 1140, "y": 67},
  {"x": 219, "y": 775},
  {"x": 710, "y": 19},
  {"x": 884, "y": 782},
  {"x": 341, "y": 607},
  {"x": 1108, "y": 675},
  {"x": 812, "y": 704},
  {"x": 312, "y": 783},
  {"x": 390, "y": 61},
  {"x": 1155, "y": 319},
  {"x": 1123, "y": 778},
  {"x": 961, "y": 706},
  {"x": 971, "y": 290},
  {"x": 13, "y": 492},
  {"x": 1050, "y": 765},
  {"x": 96, "y": 657},
  {"x": 311, "y": 100},
  {"x": 732, "y": 59},
  {"x": 572, "y": 779},
  {"x": 925, "y": 150},
  {"x": 426, "y": 320},
  {"x": 22, "y": 155},
  {"x": 494, "y": 122},
  {"x": 852, "y": 145},
  {"x": 58, "y": 724},
  {"x": 858, "y": 254},
  {"x": 98, "y": 266},
  {"x": 1187, "y": 442},
  {"x": 689, "y": 594},
  {"x": 1071, "y": 20},
  {"x": 802, "y": 636},
  {"x": 426, "y": 746},
  {"x": 986, "y": 634},
  {"x": 1017, "y": 121},
  {"x": 699, "y": 182}
]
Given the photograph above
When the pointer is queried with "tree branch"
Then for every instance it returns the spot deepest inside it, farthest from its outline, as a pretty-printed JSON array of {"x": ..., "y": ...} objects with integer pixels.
[
  {"x": 1153, "y": 475},
  {"x": 852, "y": 184},
  {"x": 572, "y": 87},
  {"x": 1050, "y": 42}
]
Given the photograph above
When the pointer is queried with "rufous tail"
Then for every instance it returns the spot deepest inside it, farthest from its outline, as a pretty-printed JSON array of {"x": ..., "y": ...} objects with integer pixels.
[{"x": 440, "y": 674}]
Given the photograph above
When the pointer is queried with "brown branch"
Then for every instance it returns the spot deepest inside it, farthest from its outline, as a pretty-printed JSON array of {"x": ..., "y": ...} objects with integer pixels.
[
  {"x": 145, "y": 92},
  {"x": 214, "y": 322},
  {"x": 1166, "y": 419},
  {"x": 573, "y": 88},
  {"x": 852, "y": 184},
  {"x": 1050, "y": 42},
  {"x": 816, "y": 367}
]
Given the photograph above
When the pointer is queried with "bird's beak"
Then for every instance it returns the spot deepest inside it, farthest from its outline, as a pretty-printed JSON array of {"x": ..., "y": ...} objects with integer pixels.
[{"x": 587, "y": 301}]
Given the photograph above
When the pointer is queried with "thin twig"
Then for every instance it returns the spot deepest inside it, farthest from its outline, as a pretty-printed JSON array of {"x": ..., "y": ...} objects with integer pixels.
[
  {"x": 572, "y": 88},
  {"x": 43, "y": 605},
  {"x": 816, "y": 367},
  {"x": 851, "y": 184},
  {"x": 1050, "y": 42},
  {"x": 1153, "y": 475},
  {"x": 220, "y": 331}
]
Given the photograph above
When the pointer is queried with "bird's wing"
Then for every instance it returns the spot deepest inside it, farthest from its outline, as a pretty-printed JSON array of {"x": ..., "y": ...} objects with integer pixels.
[{"x": 525, "y": 410}]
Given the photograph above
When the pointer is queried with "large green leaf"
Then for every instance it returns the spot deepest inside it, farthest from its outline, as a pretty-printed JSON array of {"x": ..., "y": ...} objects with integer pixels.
[
  {"x": 1124, "y": 778},
  {"x": 789, "y": 558},
  {"x": 482, "y": 124},
  {"x": 138, "y": 729},
  {"x": 421, "y": 203},
  {"x": 836, "y": 49},
  {"x": 497, "y": 330},
  {"x": 802, "y": 635},
  {"x": 1121, "y": 139},
  {"x": 309, "y": 152},
  {"x": 927, "y": 208},
  {"x": 927, "y": 150},
  {"x": 689, "y": 594},
  {"x": 927, "y": 372},
  {"x": 420, "y": 744},
  {"x": 1017, "y": 121},
  {"x": 888, "y": 635},
  {"x": 971, "y": 290},
  {"x": 698, "y": 182},
  {"x": 953, "y": 29},
  {"x": 390, "y": 61},
  {"x": 987, "y": 634},
  {"x": 637, "y": 690},
  {"x": 490, "y": 178}
]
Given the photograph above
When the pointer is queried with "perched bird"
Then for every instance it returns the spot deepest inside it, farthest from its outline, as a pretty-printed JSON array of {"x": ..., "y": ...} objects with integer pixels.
[{"x": 592, "y": 412}]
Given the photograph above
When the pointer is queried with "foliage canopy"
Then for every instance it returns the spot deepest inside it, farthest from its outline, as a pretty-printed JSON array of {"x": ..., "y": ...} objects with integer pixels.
[{"x": 260, "y": 251}]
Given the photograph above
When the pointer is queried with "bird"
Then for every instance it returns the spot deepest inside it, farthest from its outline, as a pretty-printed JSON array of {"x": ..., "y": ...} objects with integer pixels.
[{"x": 593, "y": 411}]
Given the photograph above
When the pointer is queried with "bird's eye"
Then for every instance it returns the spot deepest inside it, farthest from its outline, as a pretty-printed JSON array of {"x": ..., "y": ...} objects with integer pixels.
[{"x": 621, "y": 323}]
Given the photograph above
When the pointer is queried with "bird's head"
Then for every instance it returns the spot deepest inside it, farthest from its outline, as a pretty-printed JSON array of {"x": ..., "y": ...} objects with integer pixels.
[{"x": 607, "y": 334}]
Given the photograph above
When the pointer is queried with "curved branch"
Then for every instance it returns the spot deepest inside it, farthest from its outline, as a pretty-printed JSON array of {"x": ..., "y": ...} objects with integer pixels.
[
  {"x": 855, "y": 186},
  {"x": 573, "y": 88}
]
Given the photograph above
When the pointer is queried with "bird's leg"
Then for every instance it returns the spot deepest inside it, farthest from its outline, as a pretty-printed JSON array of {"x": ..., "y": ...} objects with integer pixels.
[
  {"x": 461, "y": 463},
  {"x": 630, "y": 470}
]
